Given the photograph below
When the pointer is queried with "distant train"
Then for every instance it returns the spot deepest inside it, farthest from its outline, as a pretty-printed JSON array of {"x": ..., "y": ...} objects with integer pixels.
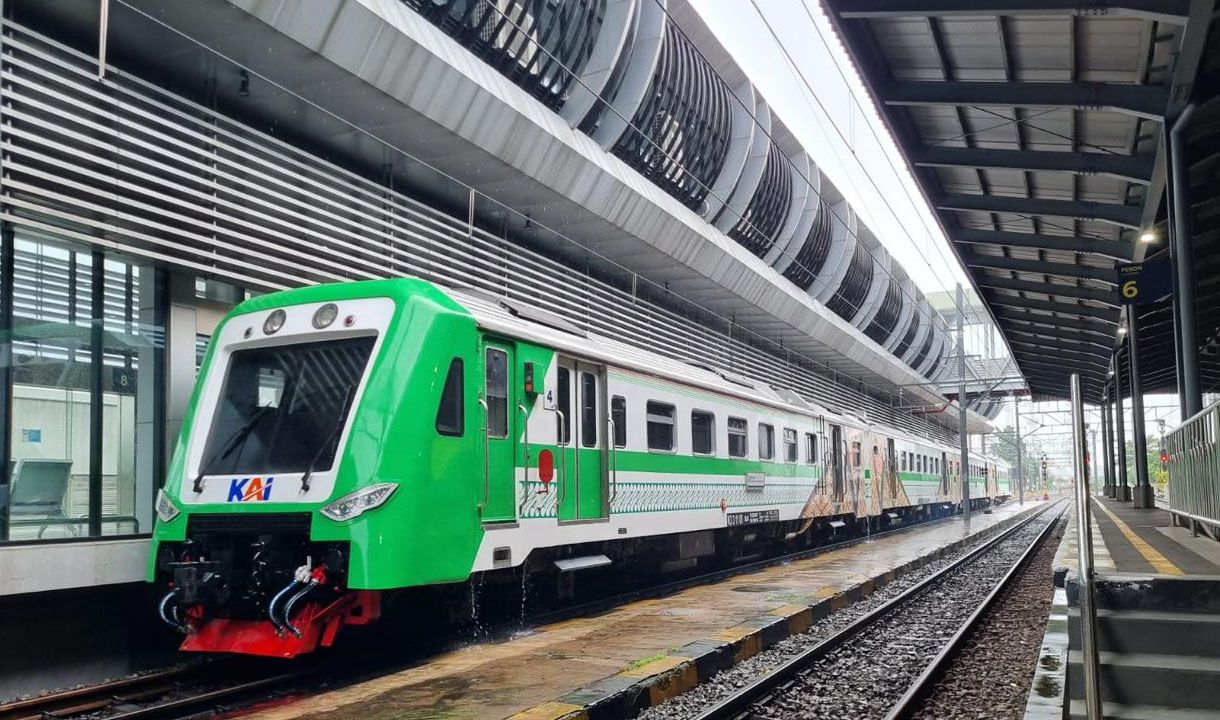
[{"x": 350, "y": 439}]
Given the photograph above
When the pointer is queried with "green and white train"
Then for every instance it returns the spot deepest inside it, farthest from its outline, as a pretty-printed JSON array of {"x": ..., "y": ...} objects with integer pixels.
[{"x": 350, "y": 439}]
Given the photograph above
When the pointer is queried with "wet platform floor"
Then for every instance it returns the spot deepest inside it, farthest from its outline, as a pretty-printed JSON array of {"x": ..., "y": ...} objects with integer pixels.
[
  {"x": 1145, "y": 541},
  {"x": 537, "y": 674}
]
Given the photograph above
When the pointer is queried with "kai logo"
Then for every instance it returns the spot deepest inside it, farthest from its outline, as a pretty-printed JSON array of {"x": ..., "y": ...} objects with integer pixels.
[{"x": 252, "y": 488}]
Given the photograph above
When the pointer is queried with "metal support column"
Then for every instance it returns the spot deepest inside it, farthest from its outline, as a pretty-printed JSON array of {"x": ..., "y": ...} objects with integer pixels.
[
  {"x": 1123, "y": 491},
  {"x": 1142, "y": 495},
  {"x": 1020, "y": 479},
  {"x": 96, "y": 348},
  {"x": 1184, "y": 270},
  {"x": 1084, "y": 552},
  {"x": 7, "y": 236},
  {"x": 962, "y": 433},
  {"x": 1107, "y": 446}
]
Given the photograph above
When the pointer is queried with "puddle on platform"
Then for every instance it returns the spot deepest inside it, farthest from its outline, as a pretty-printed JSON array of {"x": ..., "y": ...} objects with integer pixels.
[
  {"x": 761, "y": 588},
  {"x": 679, "y": 612},
  {"x": 1047, "y": 686}
]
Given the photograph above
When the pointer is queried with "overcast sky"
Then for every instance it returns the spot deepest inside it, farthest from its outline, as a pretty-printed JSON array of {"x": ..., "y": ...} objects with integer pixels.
[{"x": 811, "y": 84}]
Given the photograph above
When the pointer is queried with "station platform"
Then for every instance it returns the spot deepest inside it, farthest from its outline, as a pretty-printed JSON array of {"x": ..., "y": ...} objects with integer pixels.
[
  {"x": 1145, "y": 541},
  {"x": 641, "y": 653},
  {"x": 1157, "y": 593}
]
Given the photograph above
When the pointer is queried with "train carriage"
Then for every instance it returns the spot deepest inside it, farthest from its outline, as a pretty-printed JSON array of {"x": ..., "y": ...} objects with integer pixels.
[{"x": 350, "y": 439}]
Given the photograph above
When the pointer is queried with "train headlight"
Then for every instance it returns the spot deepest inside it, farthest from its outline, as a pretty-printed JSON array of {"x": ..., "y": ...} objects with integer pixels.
[
  {"x": 325, "y": 315},
  {"x": 274, "y": 321},
  {"x": 356, "y": 503},
  {"x": 166, "y": 509}
]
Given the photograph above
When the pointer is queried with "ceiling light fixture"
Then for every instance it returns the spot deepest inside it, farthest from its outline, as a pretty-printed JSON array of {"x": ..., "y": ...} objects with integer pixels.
[{"x": 1148, "y": 236}]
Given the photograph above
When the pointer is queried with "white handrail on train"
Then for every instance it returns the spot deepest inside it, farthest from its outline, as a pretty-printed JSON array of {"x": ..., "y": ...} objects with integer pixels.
[{"x": 1194, "y": 466}]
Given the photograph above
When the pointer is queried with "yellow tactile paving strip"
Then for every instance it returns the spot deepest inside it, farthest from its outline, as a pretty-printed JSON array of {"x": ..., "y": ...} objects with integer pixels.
[
  {"x": 528, "y": 677},
  {"x": 1155, "y": 558}
]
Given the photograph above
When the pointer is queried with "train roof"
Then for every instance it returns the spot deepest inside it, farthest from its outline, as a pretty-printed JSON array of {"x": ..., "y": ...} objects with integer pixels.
[
  {"x": 525, "y": 321},
  {"x": 528, "y": 322}
]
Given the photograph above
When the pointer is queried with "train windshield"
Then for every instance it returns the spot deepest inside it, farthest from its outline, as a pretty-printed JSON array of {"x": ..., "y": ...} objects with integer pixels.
[{"x": 282, "y": 408}]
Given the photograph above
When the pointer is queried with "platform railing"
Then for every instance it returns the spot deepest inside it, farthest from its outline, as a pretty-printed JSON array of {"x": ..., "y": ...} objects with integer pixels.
[
  {"x": 1194, "y": 471},
  {"x": 1084, "y": 556}
]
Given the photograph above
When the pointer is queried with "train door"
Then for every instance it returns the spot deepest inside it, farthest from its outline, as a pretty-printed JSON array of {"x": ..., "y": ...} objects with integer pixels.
[
  {"x": 590, "y": 441},
  {"x": 836, "y": 444},
  {"x": 944, "y": 474},
  {"x": 499, "y": 433},
  {"x": 579, "y": 402}
]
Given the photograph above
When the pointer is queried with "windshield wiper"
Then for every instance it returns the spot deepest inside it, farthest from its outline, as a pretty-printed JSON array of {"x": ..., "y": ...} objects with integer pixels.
[
  {"x": 237, "y": 440},
  {"x": 333, "y": 436}
]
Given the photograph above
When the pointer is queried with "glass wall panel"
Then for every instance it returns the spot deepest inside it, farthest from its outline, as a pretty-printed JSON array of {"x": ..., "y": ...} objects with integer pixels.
[
  {"x": 74, "y": 361},
  {"x": 133, "y": 339},
  {"x": 49, "y": 467}
]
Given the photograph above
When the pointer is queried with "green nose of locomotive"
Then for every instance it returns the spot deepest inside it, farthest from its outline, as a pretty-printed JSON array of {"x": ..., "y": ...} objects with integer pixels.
[{"x": 274, "y": 407}]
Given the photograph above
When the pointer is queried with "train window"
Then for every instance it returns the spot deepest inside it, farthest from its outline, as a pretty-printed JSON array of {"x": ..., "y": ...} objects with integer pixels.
[
  {"x": 618, "y": 414},
  {"x": 660, "y": 418},
  {"x": 855, "y": 454},
  {"x": 497, "y": 392},
  {"x": 588, "y": 409},
  {"x": 702, "y": 432},
  {"x": 811, "y": 448},
  {"x": 739, "y": 441},
  {"x": 766, "y": 441},
  {"x": 313, "y": 385},
  {"x": 450, "y": 415},
  {"x": 789, "y": 445},
  {"x": 563, "y": 403}
]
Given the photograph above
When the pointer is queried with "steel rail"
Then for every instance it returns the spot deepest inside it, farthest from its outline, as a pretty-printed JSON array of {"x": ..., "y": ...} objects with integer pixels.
[
  {"x": 909, "y": 704},
  {"x": 742, "y": 703},
  {"x": 209, "y": 700},
  {"x": 94, "y": 697},
  {"x": 81, "y": 701},
  {"x": 666, "y": 588}
]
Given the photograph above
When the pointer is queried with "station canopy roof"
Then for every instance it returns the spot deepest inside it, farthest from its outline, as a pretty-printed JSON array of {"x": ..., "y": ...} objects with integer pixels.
[{"x": 1035, "y": 129}]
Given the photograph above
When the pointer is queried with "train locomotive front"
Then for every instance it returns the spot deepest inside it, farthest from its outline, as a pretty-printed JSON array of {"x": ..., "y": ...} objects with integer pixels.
[{"x": 306, "y": 479}]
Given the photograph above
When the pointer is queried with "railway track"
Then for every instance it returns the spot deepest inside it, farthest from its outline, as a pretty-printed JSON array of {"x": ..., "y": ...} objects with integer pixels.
[
  {"x": 208, "y": 687},
  {"x": 884, "y": 662}
]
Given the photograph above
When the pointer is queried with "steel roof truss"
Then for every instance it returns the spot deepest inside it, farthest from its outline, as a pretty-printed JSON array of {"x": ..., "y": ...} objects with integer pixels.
[
  {"x": 1113, "y": 213},
  {"x": 1169, "y": 11},
  {"x": 1041, "y": 267},
  {"x": 1134, "y": 168},
  {"x": 1078, "y": 244}
]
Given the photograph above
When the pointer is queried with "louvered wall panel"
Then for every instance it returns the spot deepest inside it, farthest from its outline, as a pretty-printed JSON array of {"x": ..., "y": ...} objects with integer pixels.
[{"x": 128, "y": 166}]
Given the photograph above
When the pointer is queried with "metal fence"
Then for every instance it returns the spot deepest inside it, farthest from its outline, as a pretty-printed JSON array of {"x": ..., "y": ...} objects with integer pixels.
[{"x": 1194, "y": 466}]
